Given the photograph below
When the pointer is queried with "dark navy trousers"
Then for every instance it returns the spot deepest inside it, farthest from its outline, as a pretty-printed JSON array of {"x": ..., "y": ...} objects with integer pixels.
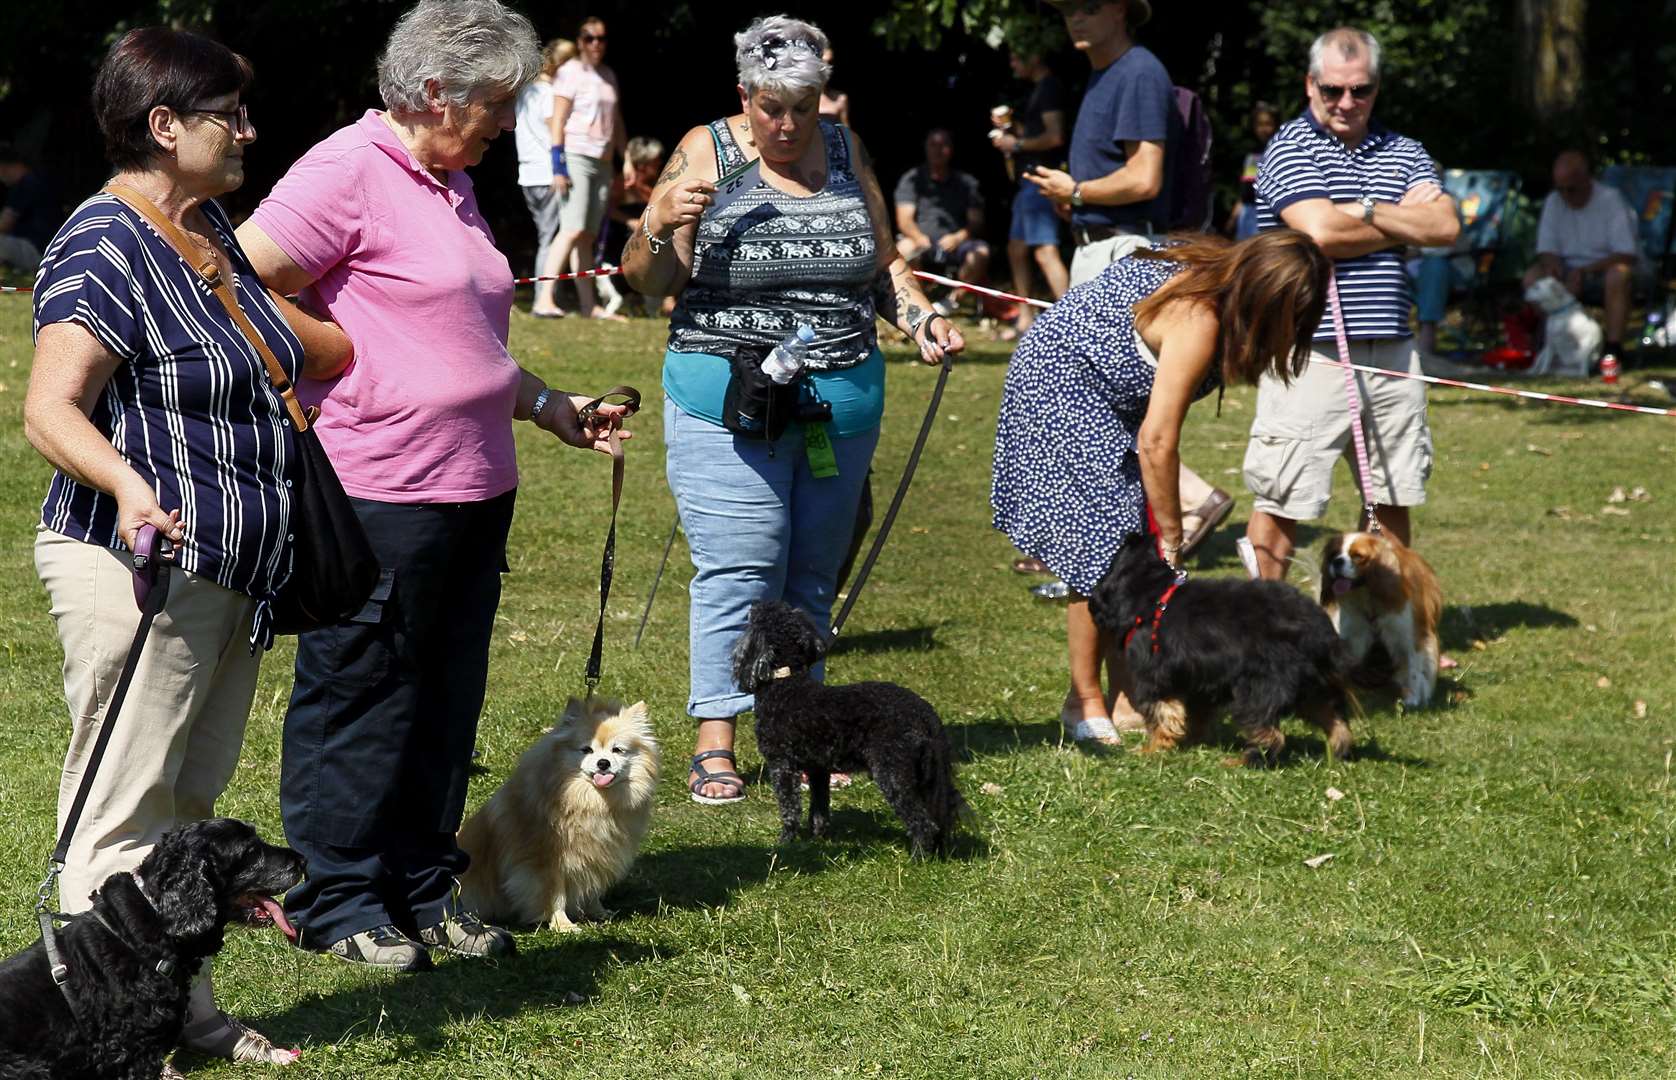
[{"x": 383, "y": 718}]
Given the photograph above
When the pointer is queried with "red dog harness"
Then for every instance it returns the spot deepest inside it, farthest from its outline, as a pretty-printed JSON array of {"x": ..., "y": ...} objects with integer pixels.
[{"x": 1157, "y": 612}]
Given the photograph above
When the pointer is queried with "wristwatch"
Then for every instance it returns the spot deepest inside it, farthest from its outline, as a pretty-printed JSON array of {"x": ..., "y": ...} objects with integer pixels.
[
  {"x": 1076, "y": 196},
  {"x": 1367, "y": 209}
]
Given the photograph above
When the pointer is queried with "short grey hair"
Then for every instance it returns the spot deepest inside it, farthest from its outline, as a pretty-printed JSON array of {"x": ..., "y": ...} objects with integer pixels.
[
  {"x": 781, "y": 54},
  {"x": 1350, "y": 43},
  {"x": 465, "y": 45}
]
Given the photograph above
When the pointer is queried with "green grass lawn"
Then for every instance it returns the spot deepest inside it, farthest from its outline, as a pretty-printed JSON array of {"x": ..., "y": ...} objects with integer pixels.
[{"x": 1500, "y": 899}]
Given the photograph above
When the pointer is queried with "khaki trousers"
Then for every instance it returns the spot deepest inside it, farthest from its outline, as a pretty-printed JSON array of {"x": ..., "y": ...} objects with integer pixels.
[{"x": 177, "y": 737}]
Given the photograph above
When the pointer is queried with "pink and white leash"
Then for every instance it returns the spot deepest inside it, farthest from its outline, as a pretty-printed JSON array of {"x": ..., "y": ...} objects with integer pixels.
[{"x": 1354, "y": 401}]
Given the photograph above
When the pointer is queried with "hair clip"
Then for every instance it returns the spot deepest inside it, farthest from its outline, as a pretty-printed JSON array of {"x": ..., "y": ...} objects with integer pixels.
[{"x": 768, "y": 50}]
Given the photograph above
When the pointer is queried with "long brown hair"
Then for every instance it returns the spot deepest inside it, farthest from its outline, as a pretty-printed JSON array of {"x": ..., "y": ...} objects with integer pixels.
[{"x": 1269, "y": 293}]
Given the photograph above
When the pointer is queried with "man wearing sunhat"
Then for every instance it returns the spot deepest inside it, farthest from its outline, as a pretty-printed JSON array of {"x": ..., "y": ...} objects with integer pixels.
[{"x": 1126, "y": 129}]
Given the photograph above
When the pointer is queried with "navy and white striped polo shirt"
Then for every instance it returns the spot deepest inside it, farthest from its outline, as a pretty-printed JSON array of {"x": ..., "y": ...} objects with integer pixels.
[
  {"x": 1306, "y": 161},
  {"x": 191, "y": 407}
]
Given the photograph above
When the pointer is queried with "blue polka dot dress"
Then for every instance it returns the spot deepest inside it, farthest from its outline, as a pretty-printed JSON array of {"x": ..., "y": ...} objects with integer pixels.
[{"x": 1067, "y": 484}]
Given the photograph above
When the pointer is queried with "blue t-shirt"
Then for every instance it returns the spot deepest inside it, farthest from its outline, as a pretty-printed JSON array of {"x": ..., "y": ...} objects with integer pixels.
[
  {"x": 1129, "y": 100},
  {"x": 697, "y": 382},
  {"x": 1306, "y": 161}
]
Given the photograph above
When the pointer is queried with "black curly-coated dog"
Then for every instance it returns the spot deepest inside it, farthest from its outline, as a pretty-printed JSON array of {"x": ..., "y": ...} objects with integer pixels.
[
  {"x": 133, "y": 955},
  {"x": 806, "y": 726},
  {"x": 1259, "y": 648}
]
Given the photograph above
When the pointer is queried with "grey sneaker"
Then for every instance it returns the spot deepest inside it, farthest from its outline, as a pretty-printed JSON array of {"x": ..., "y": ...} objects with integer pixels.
[
  {"x": 382, "y": 947},
  {"x": 464, "y": 934}
]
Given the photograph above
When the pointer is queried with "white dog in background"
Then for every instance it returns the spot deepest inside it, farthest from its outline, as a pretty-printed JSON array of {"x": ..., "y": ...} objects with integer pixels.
[{"x": 1572, "y": 339}]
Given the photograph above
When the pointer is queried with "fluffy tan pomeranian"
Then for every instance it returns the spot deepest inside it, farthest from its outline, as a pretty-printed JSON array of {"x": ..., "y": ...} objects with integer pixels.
[{"x": 565, "y": 826}]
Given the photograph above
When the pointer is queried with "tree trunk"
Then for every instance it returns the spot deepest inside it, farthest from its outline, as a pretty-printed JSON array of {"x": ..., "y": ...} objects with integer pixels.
[{"x": 1551, "y": 50}]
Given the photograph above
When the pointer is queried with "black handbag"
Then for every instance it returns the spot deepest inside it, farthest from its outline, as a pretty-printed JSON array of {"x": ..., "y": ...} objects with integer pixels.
[
  {"x": 333, "y": 567},
  {"x": 754, "y": 406}
]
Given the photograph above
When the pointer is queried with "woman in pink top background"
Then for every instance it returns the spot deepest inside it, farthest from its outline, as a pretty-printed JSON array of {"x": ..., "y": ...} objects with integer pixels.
[
  {"x": 378, "y": 226},
  {"x": 588, "y": 133}
]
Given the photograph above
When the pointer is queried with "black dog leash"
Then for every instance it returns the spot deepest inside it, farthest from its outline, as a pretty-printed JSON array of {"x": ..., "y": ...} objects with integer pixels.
[
  {"x": 619, "y": 395},
  {"x": 896, "y": 500},
  {"x": 674, "y": 527},
  {"x": 152, "y": 554}
]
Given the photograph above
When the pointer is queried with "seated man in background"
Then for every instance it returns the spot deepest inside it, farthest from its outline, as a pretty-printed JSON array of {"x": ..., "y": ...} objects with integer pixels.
[
  {"x": 1586, "y": 239},
  {"x": 31, "y": 215},
  {"x": 939, "y": 213}
]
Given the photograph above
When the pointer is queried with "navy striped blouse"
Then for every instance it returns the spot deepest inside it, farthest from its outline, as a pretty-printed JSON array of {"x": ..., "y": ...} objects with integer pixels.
[
  {"x": 1306, "y": 161},
  {"x": 191, "y": 407}
]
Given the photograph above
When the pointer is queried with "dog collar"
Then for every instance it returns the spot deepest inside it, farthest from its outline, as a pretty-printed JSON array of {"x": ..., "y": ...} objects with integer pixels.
[
  {"x": 781, "y": 673},
  {"x": 1157, "y": 611}
]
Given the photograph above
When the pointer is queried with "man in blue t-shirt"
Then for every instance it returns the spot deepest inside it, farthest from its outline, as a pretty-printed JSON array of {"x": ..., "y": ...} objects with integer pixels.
[
  {"x": 31, "y": 215},
  {"x": 1121, "y": 143},
  {"x": 1363, "y": 193}
]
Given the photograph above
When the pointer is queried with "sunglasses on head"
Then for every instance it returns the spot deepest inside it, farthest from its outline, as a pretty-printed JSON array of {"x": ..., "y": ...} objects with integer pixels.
[
  {"x": 1361, "y": 91},
  {"x": 589, "y": 39}
]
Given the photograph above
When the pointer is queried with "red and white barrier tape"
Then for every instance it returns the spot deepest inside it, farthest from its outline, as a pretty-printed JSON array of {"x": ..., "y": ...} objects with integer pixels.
[{"x": 1435, "y": 380}]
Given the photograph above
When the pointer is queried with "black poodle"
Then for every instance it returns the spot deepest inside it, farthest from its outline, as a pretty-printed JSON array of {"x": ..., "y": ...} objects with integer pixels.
[
  {"x": 133, "y": 955},
  {"x": 1261, "y": 648},
  {"x": 806, "y": 726}
]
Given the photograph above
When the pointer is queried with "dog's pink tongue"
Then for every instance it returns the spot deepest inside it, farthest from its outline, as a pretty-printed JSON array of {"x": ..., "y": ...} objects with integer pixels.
[
  {"x": 1341, "y": 586},
  {"x": 277, "y": 914},
  {"x": 604, "y": 779}
]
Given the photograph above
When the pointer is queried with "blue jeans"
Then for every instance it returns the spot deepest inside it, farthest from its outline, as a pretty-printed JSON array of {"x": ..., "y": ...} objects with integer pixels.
[{"x": 761, "y": 526}]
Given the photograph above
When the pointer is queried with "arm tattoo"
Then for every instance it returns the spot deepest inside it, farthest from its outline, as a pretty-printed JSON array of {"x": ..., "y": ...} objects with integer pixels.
[{"x": 677, "y": 165}]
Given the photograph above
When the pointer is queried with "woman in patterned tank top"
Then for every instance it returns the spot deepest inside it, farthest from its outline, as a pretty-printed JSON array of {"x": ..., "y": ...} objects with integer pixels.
[{"x": 808, "y": 244}]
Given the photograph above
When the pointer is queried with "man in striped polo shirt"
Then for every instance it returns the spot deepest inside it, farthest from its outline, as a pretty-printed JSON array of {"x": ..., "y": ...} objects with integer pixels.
[{"x": 1363, "y": 193}]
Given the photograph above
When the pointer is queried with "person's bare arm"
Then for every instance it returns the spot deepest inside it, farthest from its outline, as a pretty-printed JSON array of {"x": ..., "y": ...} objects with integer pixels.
[
  {"x": 327, "y": 350},
  {"x": 1336, "y": 232},
  {"x": 897, "y": 296},
  {"x": 908, "y": 228},
  {"x": 678, "y": 201},
  {"x": 1141, "y": 178},
  {"x": 70, "y": 371},
  {"x": 1424, "y": 217},
  {"x": 1184, "y": 357}
]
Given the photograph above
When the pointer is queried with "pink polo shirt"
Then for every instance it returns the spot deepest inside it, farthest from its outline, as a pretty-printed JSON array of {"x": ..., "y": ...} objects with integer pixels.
[{"x": 408, "y": 268}]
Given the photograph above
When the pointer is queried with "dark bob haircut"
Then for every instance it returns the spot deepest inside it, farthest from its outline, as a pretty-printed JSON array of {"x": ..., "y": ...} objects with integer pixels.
[{"x": 155, "y": 66}]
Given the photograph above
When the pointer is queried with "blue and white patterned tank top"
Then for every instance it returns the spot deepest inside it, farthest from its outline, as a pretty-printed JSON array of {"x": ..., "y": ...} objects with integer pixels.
[{"x": 769, "y": 261}]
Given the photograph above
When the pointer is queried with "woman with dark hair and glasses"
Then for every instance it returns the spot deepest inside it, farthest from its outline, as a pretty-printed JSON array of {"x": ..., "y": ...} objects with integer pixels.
[{"x": 156, "y": 410}]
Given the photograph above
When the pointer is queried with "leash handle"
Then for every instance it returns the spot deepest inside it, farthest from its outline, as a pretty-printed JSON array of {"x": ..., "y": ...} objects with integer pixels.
[
  {"x": 896, "y": 500},
  {"x": 1369, "y": 506}
]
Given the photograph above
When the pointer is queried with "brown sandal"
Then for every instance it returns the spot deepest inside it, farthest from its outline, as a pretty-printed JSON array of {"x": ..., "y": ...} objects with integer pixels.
[
  {"x": 1211, "y": 513},
  {"x": 1029, "y": 564}
]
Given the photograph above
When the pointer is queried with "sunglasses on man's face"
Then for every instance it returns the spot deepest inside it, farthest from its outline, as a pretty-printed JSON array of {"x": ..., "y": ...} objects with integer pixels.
[
  {"x": 589, "y": 39},
  {"x": 1331, "y": 94}
]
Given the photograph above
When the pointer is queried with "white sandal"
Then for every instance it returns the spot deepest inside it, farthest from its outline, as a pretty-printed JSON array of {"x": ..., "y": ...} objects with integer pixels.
[{"x": 223, "y": 1037}]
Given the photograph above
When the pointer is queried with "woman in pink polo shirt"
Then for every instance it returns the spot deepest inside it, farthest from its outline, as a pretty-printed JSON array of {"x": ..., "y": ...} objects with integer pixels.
[
  {"x": 378, "y": 226},
  {"x": 588, "y": 134}
]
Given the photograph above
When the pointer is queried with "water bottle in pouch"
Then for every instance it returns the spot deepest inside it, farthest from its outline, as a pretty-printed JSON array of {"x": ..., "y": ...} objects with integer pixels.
[{"x": 783, "y": 364}]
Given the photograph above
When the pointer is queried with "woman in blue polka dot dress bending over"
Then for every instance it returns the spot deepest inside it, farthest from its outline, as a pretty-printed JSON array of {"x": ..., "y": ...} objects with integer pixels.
[{"x": 1090, "y": 425}]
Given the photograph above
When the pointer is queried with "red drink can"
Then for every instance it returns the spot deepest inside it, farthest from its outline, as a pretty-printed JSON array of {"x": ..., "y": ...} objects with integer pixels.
[{"x": 1609, "y": 368}]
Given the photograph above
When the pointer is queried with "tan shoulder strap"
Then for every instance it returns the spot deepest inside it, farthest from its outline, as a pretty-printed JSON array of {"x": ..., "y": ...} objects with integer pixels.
[{"x": 206, "y": 268}]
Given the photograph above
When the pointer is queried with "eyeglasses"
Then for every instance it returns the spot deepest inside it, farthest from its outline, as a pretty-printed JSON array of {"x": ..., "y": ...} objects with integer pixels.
[
  {"x": 1331, "y": 94},
  {"x": 1087, "y": 7},
  {"x": 238, "y": 120},
  {"x": 589, "y": 39}
]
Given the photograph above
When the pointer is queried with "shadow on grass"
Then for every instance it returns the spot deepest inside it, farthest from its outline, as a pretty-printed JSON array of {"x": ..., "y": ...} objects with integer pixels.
[
  {"x": 547, "y": 972},
  {"x": 712, "y": 875},
  {"x": 1462, "y": 624},
  {"x": 902, "y": 639},
  {"x": 988, "y": 737},
  {"x": 1218, "y": 551}
]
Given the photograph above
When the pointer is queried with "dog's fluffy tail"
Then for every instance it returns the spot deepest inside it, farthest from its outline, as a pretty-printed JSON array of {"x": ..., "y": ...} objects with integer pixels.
[{"x": 943, "y": 799}]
